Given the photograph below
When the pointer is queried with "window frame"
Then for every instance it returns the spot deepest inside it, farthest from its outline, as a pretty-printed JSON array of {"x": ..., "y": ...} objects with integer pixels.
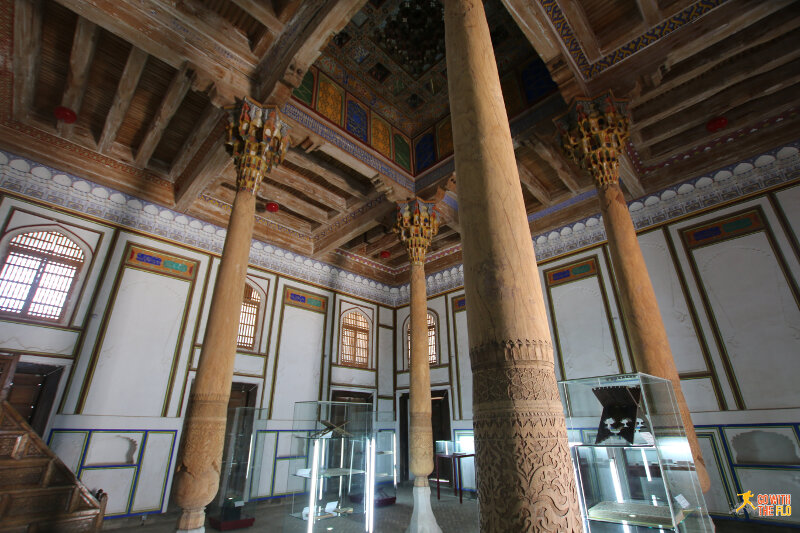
[
  {"x": 437, "y": 345},
  {"x": 68, "y": 309},
  {"x": 367, "y": 331},
  {"x": 256, "y": 322}
]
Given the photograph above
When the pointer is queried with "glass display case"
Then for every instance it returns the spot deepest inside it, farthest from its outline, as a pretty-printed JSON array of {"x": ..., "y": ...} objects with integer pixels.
[
  {"x": 385, "y": 459},
  {"x": 229, "y": 509},
  {"x": 633, "y": 465},
  {"x": 333, "y": 456}
]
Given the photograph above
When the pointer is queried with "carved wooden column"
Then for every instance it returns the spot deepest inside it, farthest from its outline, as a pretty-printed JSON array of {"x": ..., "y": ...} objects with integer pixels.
[
  {"x": 257, "y": 140},
  {"x": 417, "y": 224},
  {"x": 593, "y": 133},
  {"x": 525, "y": 476}
]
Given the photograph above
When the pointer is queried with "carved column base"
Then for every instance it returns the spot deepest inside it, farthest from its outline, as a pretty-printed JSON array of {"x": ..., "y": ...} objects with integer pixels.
[
  {"x": 422, "y": 519},
  {"x": 192, "y": 521}
]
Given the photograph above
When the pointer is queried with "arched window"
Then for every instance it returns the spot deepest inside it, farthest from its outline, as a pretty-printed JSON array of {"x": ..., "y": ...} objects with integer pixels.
[
  {"x": 248, "y": 319},
  {"x": 38, "y": 273},
  {"x": 355, "y": 340},
  {"x": 433, "y": 357}
]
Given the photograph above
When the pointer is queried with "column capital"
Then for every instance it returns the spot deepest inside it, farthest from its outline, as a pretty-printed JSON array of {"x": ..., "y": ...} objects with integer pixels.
[
  {"x": 593, "y": 133},
  {"x": 257, "y": 139},
  {"x": 417, "y": 224}
]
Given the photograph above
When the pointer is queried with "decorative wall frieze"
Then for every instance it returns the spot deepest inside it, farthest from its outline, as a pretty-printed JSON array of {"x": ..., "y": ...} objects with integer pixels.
[{"x": 40, "y": 182}]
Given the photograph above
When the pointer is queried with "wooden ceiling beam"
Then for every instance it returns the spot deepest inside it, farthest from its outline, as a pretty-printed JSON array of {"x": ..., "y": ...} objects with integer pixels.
[
  {"x": 27, "y": 54},
  {"x": 263, "y": 12},
  {"x": 583, "y": 30},
  {"x": 534, "y": 186},
  {"x": 329, "y": 173},
  {"x": 770, "y": 56},
  {"x": 147, "y": 25},
  {"x": 566, "y": 170},
  {"x": 208, "y": 123},
  {"x": 745, "y": 15},
  {"x": 178, "y": 87},
  {"x": 293, "y": 203},
  {"x": 534, "y": 24},
  {"x": 197, "y": 16},
  {"x": 84, "y": 44},
  {"x": 290, "y": 56},
  {"x": 310, "y": 188},
  {"x": 349, "y": 226},
  {"x": 389, "y": 240},
  {"x": 651, "y": 13},
  {"x": 741, "y": 94},
  {"x": 629, "y": 177},
  {"x": 215, "y": 163},
  {"x": 743, "y": 115},
  {"x": 122, "y": 99}
]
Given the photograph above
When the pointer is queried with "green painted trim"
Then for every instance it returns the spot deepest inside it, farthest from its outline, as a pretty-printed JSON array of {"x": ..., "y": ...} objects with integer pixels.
[
  {"x": 611, "y": 328},
  {"x": 457, "y": 369},
  {"x": 277, "y": 355},
  {"x": 269, "y": 340},
  {"x": 199, "y": 319},
  {"x": 788, "y": 231}
]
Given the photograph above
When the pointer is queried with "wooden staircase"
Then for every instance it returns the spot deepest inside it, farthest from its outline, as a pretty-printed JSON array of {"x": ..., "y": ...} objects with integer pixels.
[{"x": 38, "y": 493}]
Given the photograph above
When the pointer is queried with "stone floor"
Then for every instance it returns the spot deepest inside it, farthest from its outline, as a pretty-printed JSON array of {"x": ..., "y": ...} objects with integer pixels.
[{"x": 452, "y": 516}]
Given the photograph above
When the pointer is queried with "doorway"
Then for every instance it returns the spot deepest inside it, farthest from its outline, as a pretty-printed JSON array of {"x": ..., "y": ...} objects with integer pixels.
[
  {"x": 440, "y": 423},
  {"x": 32, "y": 392}
]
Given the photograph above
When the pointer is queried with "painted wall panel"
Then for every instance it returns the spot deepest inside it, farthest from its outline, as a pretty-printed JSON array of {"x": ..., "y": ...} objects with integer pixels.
[
  {"x": 117, "y": 482},
  {"x": 717, "y": 497},
  {"x": 153, "y": 471},
  {"x": 364, "y": 378},
  {"x": 789, "y": 200},
  {"x": 113, "y": 448},
  {"x": 265, "y": 448},
  {"x": 31, "y": 338},
  {"x": 699, "y": 394},
  {"x": 68, "y": 445},
  {"x": 675, "y": 313},
  {"x": 386, "y": 366},
  {"x": 763, "y": 336},
  {"x": 585, "y": 341},
  {"x": 249, "y": 364},
  {"x": 298, "y": 371},
  {"x": 464, "y": 369},
  {"x": 134, "y": 362},
  {"x": 771, "y": 481}
]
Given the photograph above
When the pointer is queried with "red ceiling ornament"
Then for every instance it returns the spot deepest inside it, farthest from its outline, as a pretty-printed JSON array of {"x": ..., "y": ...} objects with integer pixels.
[
  {"x": 716, "y": 124},
  {"x": 65, "y": 114},
  {"x": 273, "y": 207},
  {"x": 385, "y": 254}
]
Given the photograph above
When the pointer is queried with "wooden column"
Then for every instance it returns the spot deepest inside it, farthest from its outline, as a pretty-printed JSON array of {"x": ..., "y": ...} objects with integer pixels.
[
  {"x": 257, "y": 140},
  {"x": 593, "y": 133},
  {"x": 417, "y": 224},
  {"x": 525, "y": 477}
]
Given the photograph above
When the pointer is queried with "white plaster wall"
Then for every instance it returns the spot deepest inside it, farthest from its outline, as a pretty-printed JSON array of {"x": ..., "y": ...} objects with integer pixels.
[
  {"x": 789, "y": 200},
  {"x": 386, "y": 366},
  {"x": 298, "y": 372},
  {"x": 757, "y": 316},
  {"x": 675, "y": 313},
  {"x": 587, "y": 346},
  {"x": 139, "y": 346},
  {"x": 38, "y": 339},
  {"x": 464, "y": 384}
]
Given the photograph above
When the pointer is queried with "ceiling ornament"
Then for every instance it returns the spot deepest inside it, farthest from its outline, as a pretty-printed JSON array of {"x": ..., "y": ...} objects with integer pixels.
[{"x": 414, "y": 36}]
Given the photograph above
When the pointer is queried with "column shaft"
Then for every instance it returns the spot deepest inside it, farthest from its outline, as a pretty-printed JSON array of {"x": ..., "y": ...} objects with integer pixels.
[
  {"x": 198, "y": 473},
  {"x": 649, "y": 343},
  {"x": 421, "y": 433},
  {"x": 525, "y": 475}
]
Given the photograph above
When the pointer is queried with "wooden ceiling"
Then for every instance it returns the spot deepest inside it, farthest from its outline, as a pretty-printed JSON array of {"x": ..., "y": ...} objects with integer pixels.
[{"x": 148, "y": 80}]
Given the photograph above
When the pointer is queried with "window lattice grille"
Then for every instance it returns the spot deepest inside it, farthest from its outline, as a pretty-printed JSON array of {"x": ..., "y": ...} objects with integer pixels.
[
  {"x": 355, "y": 340},
  {"x": 432, "y": 356},
  {"x": 248, "y": 318},
  {"x": 38, "y": 273}
]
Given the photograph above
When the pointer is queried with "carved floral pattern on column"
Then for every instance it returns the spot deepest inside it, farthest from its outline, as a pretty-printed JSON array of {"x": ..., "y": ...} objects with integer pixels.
[
  {"x": 593, "y": 134},
  {"x": 257, "y": 139},
  {"x": 517, "y": 407}
]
